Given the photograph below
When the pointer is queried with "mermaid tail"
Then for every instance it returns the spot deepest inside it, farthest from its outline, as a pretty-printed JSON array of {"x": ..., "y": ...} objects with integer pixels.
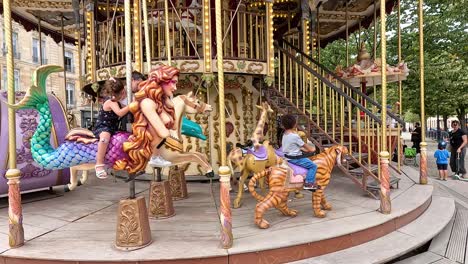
[{"x": 70, "y": 153}]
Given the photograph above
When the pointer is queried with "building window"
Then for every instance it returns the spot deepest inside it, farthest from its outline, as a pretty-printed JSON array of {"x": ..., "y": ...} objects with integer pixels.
[
  {"x": 4, "y": 78},
  {"x": 70, "y": 95},
  {"x": 35, "y": 55},
  {"x": 69, "y": 67},
  {"x": 16, "y": 53}
]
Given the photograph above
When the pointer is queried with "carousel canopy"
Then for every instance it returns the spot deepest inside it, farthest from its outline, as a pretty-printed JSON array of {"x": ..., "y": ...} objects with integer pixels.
[
  {"x": 50, "y": 12},
  {"x": 332, "y": 16}
]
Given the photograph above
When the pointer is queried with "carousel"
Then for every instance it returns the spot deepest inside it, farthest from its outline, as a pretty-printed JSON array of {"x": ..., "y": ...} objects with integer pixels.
[{"x": 207, "y": 82}]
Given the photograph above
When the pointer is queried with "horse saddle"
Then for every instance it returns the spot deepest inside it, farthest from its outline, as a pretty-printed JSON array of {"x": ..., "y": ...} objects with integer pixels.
[
  {"x": 259, "y": 154},
  {"x": 81, "y": 135},
  {"x": 299, "y": 172}
]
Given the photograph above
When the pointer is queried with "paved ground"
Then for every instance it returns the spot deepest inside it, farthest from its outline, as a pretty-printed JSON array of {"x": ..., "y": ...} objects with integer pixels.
[
  {"x": 451, "y": 246},
  {"x": 81, "y": 224}
]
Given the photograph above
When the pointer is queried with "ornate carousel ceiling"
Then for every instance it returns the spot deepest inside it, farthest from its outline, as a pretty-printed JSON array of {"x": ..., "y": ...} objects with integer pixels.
[
  {"x": 332, "y": 15},
  {"x": 50, "y": 13}
]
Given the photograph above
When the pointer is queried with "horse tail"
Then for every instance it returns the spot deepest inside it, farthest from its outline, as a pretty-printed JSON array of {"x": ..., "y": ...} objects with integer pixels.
[{"x": 253, "y": 182}]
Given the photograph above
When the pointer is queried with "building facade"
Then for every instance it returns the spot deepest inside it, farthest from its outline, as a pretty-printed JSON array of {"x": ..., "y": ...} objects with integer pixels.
[{"x": 27, "y": 59}]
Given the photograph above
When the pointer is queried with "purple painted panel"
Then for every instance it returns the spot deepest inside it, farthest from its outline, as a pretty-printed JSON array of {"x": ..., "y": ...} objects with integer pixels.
[{"x": 32, "y": 175}]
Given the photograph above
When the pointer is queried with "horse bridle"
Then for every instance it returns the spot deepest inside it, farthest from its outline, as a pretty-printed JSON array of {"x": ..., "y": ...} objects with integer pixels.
[{"x": 201, "y": 107}]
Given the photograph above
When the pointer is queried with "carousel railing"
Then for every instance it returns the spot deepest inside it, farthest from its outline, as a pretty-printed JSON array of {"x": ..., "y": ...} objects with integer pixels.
[
  {"x": 367, "y": 131},
  {"x": 244, "y": 36},
  {"x": 335, "y": 111}
]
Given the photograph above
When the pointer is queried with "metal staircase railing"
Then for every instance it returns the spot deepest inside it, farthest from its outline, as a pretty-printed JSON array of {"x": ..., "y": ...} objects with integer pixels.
[{"x": 326, "y": 106}]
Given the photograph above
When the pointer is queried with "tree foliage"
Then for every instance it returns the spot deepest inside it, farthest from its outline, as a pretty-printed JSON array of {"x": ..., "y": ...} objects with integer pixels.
[{"x": 445, "y": 55}]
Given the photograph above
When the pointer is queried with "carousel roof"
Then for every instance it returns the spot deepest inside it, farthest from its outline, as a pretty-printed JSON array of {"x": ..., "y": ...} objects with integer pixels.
[
  {"x": 332, "y": 15},
  {"x": 49, "y": 12}
]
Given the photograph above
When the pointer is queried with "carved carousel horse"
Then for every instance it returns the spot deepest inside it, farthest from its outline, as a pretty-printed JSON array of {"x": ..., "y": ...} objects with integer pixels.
[
  {"x": 287, "y": 177},
  {"x": 263, "y": 155},
  {"x": 79, "y": 149}
]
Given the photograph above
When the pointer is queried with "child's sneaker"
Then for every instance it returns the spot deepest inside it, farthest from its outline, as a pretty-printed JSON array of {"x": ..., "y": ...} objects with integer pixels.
[
  {"x": 158, "y": 161},
  {"x": 311, "y": 186}
]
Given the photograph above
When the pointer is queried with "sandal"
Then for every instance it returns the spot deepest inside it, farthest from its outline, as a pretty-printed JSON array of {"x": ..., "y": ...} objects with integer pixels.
[{"x": 101, "y": 174}]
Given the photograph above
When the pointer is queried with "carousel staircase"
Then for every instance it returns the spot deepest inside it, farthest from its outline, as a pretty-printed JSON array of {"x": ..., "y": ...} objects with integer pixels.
[{"x": 324, "y": 132}]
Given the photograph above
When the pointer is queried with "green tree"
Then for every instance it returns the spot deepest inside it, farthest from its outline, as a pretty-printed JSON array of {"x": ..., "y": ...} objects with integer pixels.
[{"x": 445, "y": 54}]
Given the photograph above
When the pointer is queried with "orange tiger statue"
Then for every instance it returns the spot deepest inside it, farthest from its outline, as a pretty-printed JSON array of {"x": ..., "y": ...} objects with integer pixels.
[{"x": 280, "y": 186}]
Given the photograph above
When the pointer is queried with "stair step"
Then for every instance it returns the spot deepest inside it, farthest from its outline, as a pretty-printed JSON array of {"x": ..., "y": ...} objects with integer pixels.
[
  {"x": 344, "y": 144},
  {"x": 360, "y": 171},
  {"x": 356, "y": 156},
  {"x": 376, "y": 186},
  {"x": 409, "y": 237},
  {"x": 457, "y": 244}
]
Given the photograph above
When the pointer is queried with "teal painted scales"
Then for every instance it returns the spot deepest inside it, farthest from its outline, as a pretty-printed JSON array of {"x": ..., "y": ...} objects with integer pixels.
[{"x": 70, "y": 153}]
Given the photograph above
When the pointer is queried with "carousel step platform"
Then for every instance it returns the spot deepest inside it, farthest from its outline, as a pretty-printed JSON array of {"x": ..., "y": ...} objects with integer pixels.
[
  {"x": 396, "y": 244},
  {"x": 356, "y": 155},
  {"x": 344, "y": 144},
  {"x": 360, "y": 171},
  {"x": 449, "y": 246},
  {"x": 394, "y": 182}
]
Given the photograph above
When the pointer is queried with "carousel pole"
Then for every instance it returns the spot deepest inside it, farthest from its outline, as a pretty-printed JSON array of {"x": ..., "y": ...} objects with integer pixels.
[
  {"x": 133, "y": 207},
  {"x": 224, "y": 172},
  {"x": 347, "y": 35},
  {"x": 385, "y": 203},
  {"x": 423, "y": 161},
  {"x": 137, "y": 34},
  {"x": 147, "y": 35},
  {"x": 15, "y": 214},
  {"x": 64, "y": 66},
  {"x": 168, "y": 35},
  {"x": 400, "y": 86},
  {"x": 40, "y": 41}
]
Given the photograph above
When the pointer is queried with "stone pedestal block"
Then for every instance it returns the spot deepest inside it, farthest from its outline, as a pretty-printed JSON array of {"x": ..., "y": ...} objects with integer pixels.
[
  {"x": 160, "y": 200},
  {"x": 133, "y": 230},
  {"x": 177, "y": 183}
]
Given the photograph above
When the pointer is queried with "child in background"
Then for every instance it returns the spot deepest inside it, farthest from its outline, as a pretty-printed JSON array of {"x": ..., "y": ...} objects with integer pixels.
[
  {"x": 108, "y": 120},
  {"x": 442, "y": 156},
  {"x": 293, "y": 146}
]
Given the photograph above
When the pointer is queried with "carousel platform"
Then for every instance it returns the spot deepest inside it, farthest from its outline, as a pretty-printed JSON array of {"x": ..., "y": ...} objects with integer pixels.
[{"x": 79, "y": 226}]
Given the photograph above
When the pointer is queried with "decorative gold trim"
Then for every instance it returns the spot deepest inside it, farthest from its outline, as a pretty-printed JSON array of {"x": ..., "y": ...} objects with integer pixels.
[{"x": 43, "y": 4}]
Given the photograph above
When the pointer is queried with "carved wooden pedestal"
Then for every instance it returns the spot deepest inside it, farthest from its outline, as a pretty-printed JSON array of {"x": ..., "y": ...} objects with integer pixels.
[
  {"x": 133, "y": 230},
  {"x": 177, "y": 183},
  {"x": 160, "y": 203}
]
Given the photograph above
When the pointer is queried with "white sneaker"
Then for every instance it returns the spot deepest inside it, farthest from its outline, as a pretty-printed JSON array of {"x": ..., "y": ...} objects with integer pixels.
[{"x": 158, "y": 161}]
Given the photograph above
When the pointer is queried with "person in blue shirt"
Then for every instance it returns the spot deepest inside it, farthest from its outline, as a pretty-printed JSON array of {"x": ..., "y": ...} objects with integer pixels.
[{"x": 442, "y": 156}]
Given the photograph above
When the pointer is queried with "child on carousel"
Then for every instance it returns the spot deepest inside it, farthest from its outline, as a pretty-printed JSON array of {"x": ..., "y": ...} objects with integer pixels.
[
  {"x": 108, "y": 120},
  {"x": 293, "y": 147}
]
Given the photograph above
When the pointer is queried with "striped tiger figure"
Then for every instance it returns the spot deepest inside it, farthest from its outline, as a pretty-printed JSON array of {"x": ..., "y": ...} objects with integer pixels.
[{"x": 278, "y": 183}]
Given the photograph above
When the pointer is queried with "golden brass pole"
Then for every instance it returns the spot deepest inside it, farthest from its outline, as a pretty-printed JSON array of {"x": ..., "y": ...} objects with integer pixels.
[
  {"x": 385, "y": 203},
  {"x": 207, "y": 36},
  {"x": 91, "y": 41},
  {"x": 347, "y": 35},
  {"x": 147, "y": 35},
  {"x": 375, "y": 35},
  {"x": 400, "y": 86},
  {"x": 423, "y": 161},
  {"x": 270, "y": 47},
  {"x": 166, "y": 26},
  {"x": 15, "y": 212},
  {"x": 137, "y": 34},
  {"x": 78, "y": 44},
  {"x": 64, "y": 66},
  {"x": 128, "y": 48},
  {"x": 224, "y": 172},
  {"x": 40, "y": 41}
]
